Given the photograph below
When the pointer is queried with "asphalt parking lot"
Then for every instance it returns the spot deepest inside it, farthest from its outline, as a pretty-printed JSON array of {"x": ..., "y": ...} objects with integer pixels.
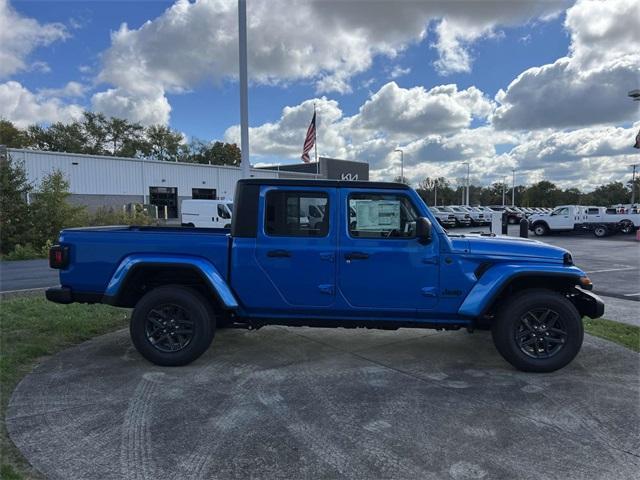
[
  {"x": 297, "y": 403},
  {"x": 612, "y": 263}
]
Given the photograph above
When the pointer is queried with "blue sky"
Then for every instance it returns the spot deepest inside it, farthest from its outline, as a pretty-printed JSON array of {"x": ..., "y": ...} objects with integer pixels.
[{"x": 499, "y": 84}]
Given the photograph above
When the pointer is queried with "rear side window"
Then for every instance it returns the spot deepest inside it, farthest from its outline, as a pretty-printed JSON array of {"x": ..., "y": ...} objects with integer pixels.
[
  {"x": 381, "y": 216},
  {"x": 296, "y": 214}
]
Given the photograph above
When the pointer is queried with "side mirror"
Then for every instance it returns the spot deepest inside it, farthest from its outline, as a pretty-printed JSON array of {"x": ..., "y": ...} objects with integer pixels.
[{"x": 423, "y": 230}]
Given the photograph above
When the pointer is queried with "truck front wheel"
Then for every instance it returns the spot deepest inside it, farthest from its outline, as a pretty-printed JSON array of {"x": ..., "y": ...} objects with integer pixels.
[
  {"x": 540, "y": 229},
  {"x": 172, "y": 325},
  {"x": 538, "y": 330}
]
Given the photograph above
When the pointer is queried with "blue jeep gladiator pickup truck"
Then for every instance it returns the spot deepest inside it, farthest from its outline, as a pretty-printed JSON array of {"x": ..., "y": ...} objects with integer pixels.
[{"x": 330, "y": 254}]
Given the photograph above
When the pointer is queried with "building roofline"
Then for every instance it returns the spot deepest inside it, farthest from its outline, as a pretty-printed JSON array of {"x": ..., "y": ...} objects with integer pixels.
[
  {"x": 323, "y": 183},
  {"x": 128, "y": 159}
]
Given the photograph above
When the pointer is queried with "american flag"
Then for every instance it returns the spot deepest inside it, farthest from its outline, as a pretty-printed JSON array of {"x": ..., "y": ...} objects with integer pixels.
[
  {"x": 637, "y": 144},
  {"x": 310, "y": 140}
]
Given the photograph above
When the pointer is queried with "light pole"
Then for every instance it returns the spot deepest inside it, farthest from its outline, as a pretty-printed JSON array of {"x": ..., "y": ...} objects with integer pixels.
[
  {"x": 504, "y": 188},
  {"x": 633, "y": 184},
  {"x": 401, "y": 163},
  {"x": 244, "y": 85},
  {"x": 513, "y": 190},
  {"x": 435, "y": 192},
  {"x": 466, "y": 202}
]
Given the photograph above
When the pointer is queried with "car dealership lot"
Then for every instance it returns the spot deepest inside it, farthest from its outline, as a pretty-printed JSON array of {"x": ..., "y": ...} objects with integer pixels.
[{"x": 612, "y": 263}]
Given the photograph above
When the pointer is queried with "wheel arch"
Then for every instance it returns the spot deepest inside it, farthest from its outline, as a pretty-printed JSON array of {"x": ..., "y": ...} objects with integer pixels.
[
  {"x": 500, "y": 281},
  {"x": 138, "y": 274}
]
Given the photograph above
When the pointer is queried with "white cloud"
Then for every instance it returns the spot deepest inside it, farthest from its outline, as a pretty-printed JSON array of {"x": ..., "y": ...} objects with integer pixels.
[
  {"x": 70, "y": 90},
  {"x": 589, "y": 86},
  {"x": 402, "y": 112},
  {"x": 19, "y": 36},
  {"x": 148, "y": 108},
  {"x": 326, "y": 43},
  {"x": 23, "y": 107},
  {"x": 398, "y": 71}
]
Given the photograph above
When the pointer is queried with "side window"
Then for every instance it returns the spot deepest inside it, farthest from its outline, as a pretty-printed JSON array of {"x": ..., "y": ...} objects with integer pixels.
[
  {"x": 562, "y": 211},
  {"x": 592, "y": 211},
  {"x": 381, "y": 216},
  {"x": 296, "y": 214},
  {"x": 222, "y": 212}
]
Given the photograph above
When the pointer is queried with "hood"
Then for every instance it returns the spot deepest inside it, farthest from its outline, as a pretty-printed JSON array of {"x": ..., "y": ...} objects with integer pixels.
[{"x": 506, "y": 247}]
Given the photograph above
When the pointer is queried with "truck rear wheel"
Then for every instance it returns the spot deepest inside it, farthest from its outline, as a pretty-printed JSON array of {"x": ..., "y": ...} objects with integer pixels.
[
  {"x": 172, "y": 325},
  {"x": 538, "y": 330}
]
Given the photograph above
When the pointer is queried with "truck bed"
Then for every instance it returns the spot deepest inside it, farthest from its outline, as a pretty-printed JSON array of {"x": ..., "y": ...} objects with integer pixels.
[{"x": 96, "y": 252}]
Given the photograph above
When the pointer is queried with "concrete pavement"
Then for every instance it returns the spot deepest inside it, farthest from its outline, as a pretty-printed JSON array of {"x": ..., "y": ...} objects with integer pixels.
[{"x": 329, "y": 403}]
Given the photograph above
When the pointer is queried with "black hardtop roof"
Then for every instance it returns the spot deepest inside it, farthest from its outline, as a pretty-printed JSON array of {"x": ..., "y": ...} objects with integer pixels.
[{"x": 322, "y": 183}]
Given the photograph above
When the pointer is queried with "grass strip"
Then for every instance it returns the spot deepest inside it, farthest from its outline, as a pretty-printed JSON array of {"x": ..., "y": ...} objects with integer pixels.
[{"x": 31, "y": 329}]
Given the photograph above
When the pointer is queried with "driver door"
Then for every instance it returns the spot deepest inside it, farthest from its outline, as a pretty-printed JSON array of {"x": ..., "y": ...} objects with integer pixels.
[{"x": 382, "y": 267}]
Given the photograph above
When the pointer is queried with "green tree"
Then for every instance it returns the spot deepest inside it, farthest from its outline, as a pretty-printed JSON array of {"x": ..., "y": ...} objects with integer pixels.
[
  {"x": 51, "y": 210},
  {"x": 58, "y": 137},
  {"x": 609, "y": 194},
  {"x": 11, "y": 136},
  {"x": 163, "y": 143},
  {"x": 216, "y": 153},
  {"x": 541, "y": 194},
  {"x": 94, "y": 126},
  {"x": 123, "y": 138},
  {"x": 15, "y": 227}
]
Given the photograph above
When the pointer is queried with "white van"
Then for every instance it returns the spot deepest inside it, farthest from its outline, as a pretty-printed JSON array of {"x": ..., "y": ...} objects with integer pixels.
[{"x": 207, "y": 213}]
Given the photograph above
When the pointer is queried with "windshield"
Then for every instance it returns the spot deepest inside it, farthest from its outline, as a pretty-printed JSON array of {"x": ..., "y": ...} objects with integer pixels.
[{"x": 446, "y": 209}]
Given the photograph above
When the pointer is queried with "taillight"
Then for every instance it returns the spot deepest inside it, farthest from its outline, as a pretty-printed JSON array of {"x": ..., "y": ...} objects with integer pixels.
[{"x": 58, "y": 256}]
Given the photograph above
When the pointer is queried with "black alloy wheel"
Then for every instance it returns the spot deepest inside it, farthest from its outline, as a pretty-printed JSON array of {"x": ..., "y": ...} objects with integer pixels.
[
  {"x": 541, "y": 333},
  {"x": 168, "y": 328}
]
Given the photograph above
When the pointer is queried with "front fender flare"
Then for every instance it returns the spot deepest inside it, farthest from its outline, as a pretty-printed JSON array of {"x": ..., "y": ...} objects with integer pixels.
[
  {"x": 208, "y": 271},
  {"x": 496, "y": 278}
]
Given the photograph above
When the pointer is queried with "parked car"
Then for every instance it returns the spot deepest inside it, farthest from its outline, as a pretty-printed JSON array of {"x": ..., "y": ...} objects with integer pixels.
[
  {"x": 446, "y": 219},
  {"x": 463, "y": 219},
  {"x": 513, "y": 217},
  {"x": 378, "y": 260},
  {"x": 477, "y": 216},
  {"x": 206, "y": 213}
]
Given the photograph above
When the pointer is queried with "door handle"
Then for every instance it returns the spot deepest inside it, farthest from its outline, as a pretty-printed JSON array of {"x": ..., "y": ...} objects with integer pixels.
[
  {"x": 278, "y": 253},
  {"x": 356, "y": 256}
]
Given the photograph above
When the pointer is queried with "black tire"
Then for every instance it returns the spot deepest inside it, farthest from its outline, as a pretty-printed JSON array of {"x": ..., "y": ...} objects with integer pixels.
[
  {"x": 189, "y": 320},
  {"x": 228, "y": 225},
  {"x": 627, "y": 226},
  {"x": 540, "y": 229},
  {"x": 601, "y": 231},
  {"x": 543, "y": 348}
]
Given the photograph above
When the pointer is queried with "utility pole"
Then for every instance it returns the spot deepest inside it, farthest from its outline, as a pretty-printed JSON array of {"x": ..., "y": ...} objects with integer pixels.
[
  {"x": 245, "y": 162},
  {"x": 435, "y": 193},
  {"x": 633, "y": 184},
  {"x": 401, "y": 163},
  {"x": 513, "y": 190},
  {"x": 504, "y": 188},
  {"x": 465, "y": 200}
]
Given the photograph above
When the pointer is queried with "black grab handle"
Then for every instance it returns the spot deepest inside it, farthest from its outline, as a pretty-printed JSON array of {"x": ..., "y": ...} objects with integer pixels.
[
  {"x": 356, "y": 256},
  {"x": 278, "y": 253}
]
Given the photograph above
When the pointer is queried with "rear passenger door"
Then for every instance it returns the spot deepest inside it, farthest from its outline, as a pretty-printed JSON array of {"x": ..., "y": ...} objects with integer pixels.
[{"x": 296, "y": 249}]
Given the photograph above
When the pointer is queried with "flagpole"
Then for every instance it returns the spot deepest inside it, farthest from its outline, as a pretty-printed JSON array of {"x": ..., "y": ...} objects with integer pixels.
[{"x": 315, "y": 140}]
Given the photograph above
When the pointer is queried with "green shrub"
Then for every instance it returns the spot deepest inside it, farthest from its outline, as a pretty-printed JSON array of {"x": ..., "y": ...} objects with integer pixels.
[
  {"x": 24, "y": 252},
  {"x": 109, "y": 216}
]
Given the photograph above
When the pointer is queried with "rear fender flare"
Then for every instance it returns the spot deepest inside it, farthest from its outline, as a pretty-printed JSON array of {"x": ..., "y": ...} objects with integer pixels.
[
  {"x": 496, "y": 279},
  {"x": 208, "y": 271}
]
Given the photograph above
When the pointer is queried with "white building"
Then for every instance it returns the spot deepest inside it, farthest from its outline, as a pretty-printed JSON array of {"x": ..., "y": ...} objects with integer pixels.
[{"x": 100, "y": 181}]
